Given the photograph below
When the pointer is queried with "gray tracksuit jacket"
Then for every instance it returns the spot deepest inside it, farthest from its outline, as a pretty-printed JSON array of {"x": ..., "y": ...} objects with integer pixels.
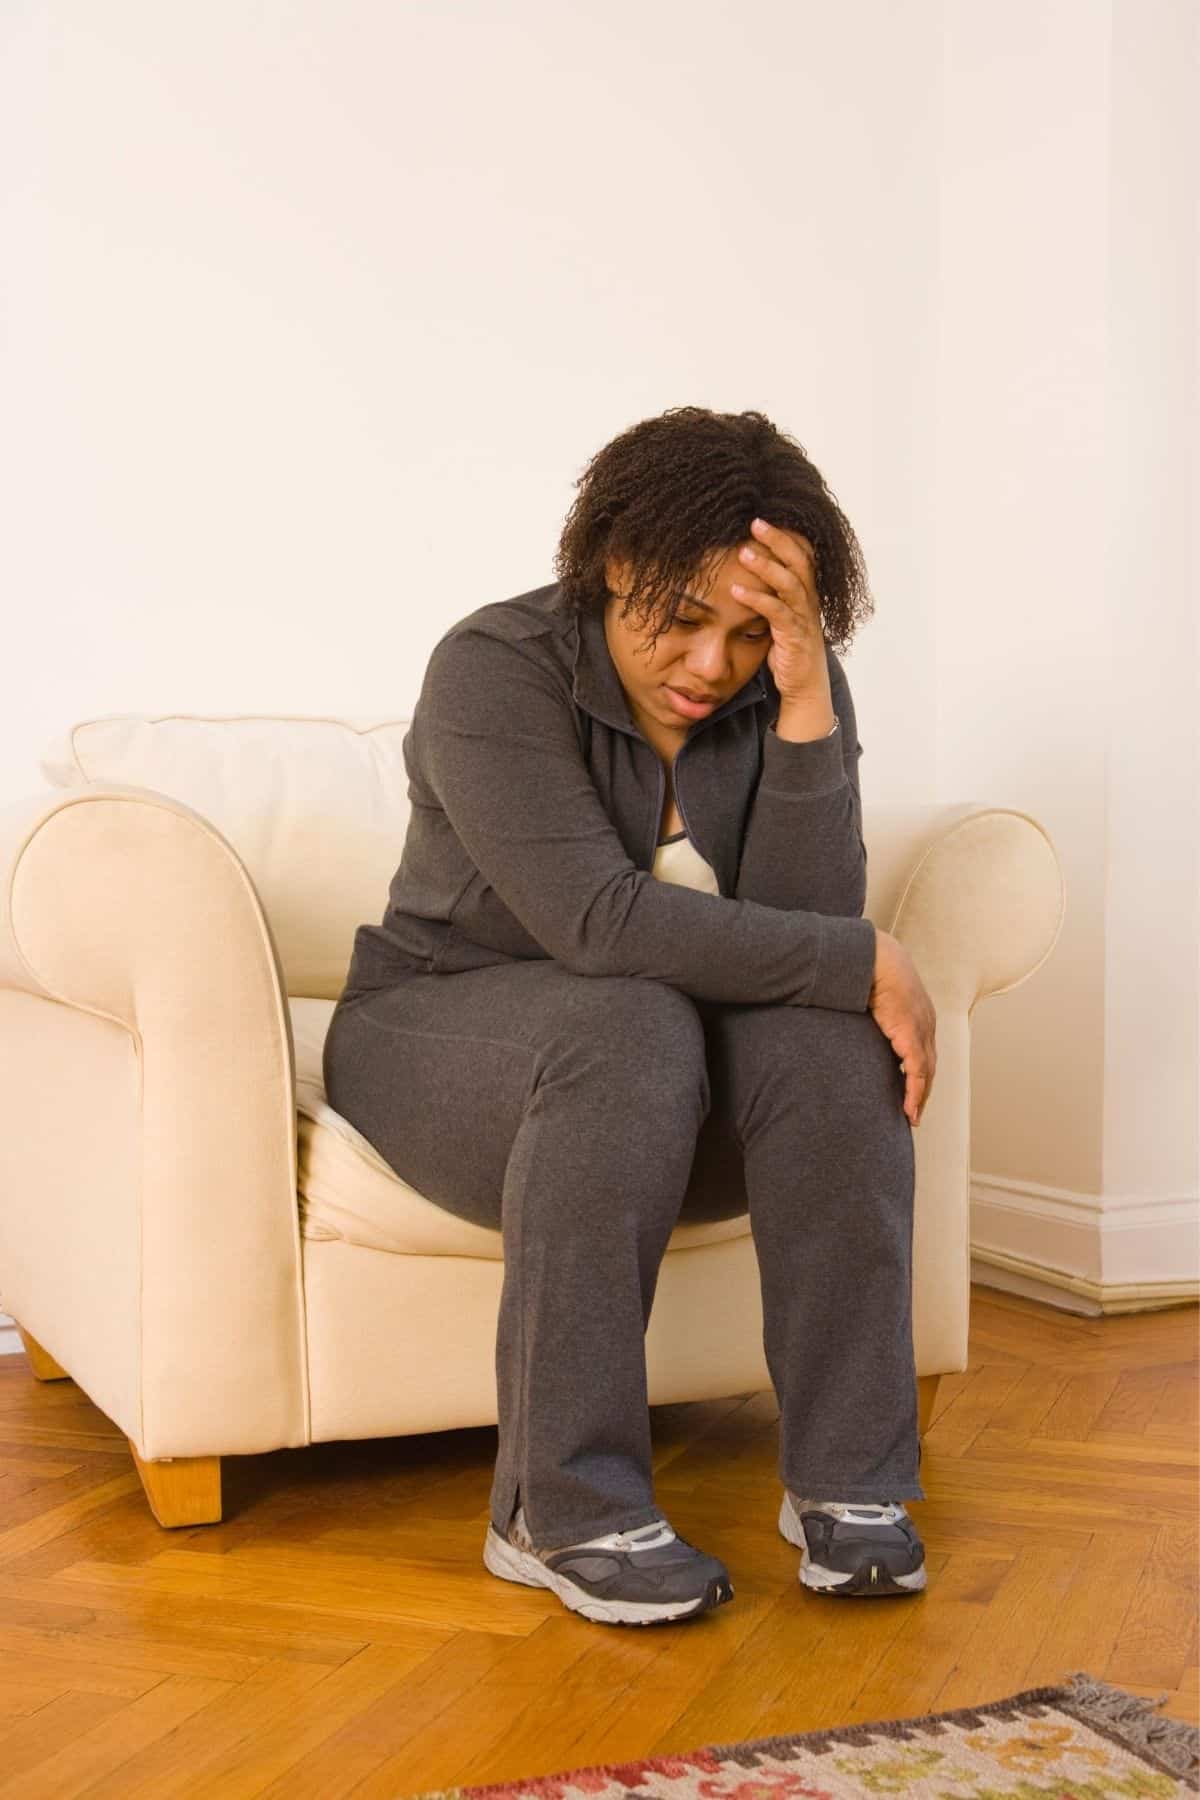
[{"x": 536, "y": 804}]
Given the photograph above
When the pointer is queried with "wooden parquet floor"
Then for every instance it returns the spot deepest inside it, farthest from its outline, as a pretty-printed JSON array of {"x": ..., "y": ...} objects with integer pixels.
[{"x": 338, "y": 1634}]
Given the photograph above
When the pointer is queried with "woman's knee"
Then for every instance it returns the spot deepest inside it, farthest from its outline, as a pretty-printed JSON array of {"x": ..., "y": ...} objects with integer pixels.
[
  {"x": 642, "y": 1028},
  {"x": 840, "y": 1059}
]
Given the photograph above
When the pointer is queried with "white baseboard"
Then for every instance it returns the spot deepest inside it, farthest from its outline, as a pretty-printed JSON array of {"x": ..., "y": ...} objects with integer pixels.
[
  {"x": 10, "y": 1343},
  {"x": 1085, "y": 1253}
]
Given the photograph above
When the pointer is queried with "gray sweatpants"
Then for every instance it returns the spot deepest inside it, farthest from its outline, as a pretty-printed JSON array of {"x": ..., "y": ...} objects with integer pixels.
[{"x": 582, "y": 1117}]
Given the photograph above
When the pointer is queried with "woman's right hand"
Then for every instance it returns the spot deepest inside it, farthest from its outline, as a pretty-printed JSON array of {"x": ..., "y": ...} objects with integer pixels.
[{"x": 904, "y": 1013}]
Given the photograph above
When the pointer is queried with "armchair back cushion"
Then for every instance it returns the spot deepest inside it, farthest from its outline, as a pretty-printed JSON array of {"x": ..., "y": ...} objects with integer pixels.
[{"x": 317, "y": 809}]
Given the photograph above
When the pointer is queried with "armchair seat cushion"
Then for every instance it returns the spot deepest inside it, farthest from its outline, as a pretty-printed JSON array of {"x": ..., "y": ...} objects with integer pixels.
[{"x": 346, "y": 1190}]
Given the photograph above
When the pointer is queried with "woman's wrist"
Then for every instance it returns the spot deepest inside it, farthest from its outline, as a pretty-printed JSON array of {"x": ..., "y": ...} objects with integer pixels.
[{"x": 803, "y": 721}]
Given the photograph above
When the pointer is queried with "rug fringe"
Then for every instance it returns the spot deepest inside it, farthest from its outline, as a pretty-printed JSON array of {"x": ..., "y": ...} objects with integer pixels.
[{"x": 1134, "y": 1718}]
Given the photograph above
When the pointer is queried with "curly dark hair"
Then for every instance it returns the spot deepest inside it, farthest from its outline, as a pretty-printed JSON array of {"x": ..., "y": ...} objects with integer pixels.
[{"x": 670, "y": 495}]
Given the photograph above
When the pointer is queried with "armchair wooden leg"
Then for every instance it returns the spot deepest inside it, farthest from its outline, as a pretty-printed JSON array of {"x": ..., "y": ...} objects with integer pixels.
[
  {"x": 927, "y": 1387},
  {"x": 182, "y": 1490},
  {"x": 41, "y": 1361}
]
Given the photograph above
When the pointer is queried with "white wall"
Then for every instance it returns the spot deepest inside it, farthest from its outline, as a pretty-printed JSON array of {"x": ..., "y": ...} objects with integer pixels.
[
  {"x": 317, "y": 310},
  {"x": 1065, "y": 552},
  {"x": 321, "y": 309}
]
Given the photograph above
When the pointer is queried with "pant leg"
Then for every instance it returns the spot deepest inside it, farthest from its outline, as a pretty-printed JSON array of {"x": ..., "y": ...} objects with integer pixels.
[
  {"x": 562, "y": 1110},
  {"x": 813, "y": 1098}
]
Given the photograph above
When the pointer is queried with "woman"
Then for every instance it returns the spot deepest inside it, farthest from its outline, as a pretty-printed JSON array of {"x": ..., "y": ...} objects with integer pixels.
[{"x": 624, "y": 979}]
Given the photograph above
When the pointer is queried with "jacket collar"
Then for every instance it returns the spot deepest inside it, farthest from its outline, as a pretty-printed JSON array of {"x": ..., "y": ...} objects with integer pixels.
[{"x": 597, "y": 687}]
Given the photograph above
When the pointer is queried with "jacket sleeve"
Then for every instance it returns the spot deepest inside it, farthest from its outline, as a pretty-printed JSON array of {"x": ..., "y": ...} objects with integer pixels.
[
  {"x": 803, "y": 846},
  {"x": 496, "y": 741}
]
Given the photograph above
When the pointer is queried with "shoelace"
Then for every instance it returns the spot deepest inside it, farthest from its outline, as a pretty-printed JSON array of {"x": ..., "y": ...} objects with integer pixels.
[
  {"x": 642, "y": 1537},
  {"x": 868, "y": 1512}
]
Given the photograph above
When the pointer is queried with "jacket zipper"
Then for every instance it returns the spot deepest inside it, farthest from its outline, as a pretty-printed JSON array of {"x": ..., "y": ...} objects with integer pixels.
[
  {"x": 679, "y": 796},
  {"x": 662, "y": 791}
]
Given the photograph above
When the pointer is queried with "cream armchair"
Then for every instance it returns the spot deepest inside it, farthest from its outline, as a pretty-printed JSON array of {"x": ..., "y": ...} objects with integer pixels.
[{"x": 188, "y": 1229}]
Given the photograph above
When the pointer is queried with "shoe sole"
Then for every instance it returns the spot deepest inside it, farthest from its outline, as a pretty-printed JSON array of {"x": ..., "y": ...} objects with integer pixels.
[
  {"x": 873, "y": 1578},
  {"x": 513, "y": 1564}
]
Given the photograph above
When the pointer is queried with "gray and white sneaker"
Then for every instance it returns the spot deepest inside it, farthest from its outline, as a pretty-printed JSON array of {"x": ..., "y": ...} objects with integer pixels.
[
  {"x": 647, "y": 1576},
  {"x": 852, "y": 1547}
]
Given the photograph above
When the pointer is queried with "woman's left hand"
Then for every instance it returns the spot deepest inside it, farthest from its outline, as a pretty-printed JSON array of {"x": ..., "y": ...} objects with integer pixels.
[{"x": 785, "y": 563}]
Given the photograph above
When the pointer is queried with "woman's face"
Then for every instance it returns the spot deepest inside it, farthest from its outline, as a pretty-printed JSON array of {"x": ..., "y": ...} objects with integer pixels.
[{"x": 714, "y": 647}]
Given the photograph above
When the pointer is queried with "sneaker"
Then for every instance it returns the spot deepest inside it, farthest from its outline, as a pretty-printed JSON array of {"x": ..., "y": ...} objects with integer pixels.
[
  {"x": 646, "y": 1576},
  {"x": 851, "y": 1547}
]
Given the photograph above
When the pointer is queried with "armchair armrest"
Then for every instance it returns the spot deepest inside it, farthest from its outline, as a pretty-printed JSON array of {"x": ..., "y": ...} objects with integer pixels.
[
  {"x": 975, "y": 893},
  {"x": 149, "y": 1232}
]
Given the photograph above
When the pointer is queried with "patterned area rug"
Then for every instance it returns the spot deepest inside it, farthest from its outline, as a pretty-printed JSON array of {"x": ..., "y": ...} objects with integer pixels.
[{"x": 1084, "y": 1740}]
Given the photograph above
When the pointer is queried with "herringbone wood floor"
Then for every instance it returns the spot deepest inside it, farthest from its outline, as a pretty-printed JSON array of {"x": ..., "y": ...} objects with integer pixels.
[{"x": 338, "y": 1632}]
